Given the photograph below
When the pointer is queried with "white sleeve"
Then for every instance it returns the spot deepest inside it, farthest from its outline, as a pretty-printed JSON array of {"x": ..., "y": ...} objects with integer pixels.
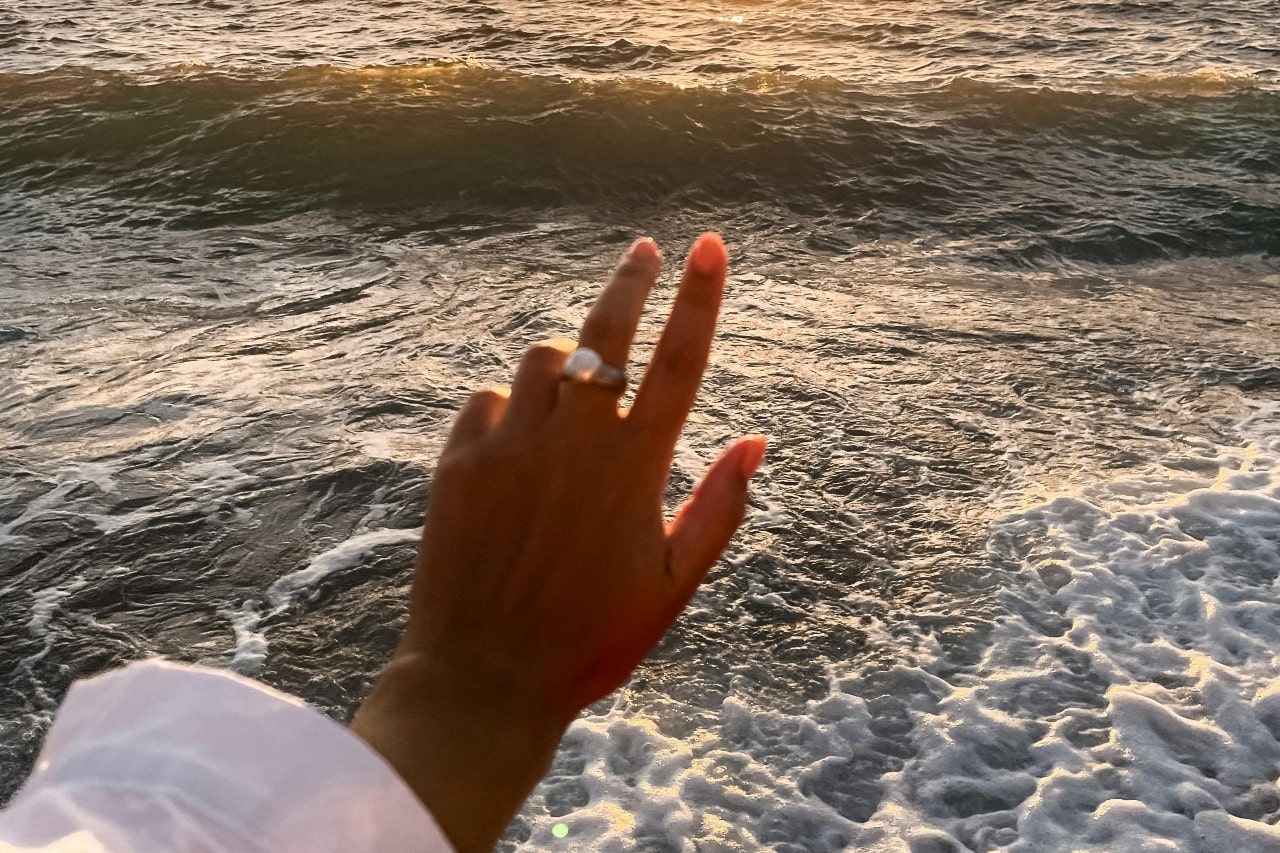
[{"x": 164, "y": 757}]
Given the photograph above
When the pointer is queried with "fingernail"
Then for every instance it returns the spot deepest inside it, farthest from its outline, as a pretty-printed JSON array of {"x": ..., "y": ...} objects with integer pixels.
[
  {"x": 644, "y": 250},
  {"x": 753, "y": 455},
  {"x": 708, "y": 254}
]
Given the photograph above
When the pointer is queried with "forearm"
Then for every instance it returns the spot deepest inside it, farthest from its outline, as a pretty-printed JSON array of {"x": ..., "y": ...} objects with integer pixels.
[{"x": 472, "y": 752}]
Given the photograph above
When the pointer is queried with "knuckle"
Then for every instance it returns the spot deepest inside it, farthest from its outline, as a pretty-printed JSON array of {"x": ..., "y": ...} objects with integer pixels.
[
  {"x": 456, "y": 465},
  {"x": 564, "y": 345},
  {"x": 536, "y": 355},
  {"x": 488, "y": 397},
  {"x": 547, "y": 353},
  {"x": 550, "y": 348}
]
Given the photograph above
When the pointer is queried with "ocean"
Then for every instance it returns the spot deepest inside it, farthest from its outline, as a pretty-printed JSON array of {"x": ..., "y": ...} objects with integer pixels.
[{"x": 1004, "y": 293}]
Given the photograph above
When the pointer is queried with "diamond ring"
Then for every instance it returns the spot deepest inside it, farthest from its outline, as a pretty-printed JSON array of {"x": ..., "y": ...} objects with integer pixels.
[{"x": 585, "y": 367}]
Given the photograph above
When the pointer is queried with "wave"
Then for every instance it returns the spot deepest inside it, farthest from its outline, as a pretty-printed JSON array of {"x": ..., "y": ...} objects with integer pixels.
[
  {"x": 1038, "y": 175},
  {"x": 1206, "y": 81}
]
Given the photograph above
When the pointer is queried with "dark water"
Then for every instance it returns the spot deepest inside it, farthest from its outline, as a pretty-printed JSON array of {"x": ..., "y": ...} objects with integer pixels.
[
  {"x": 992, "y": 172},
  {"x": 997, "y": 268}
]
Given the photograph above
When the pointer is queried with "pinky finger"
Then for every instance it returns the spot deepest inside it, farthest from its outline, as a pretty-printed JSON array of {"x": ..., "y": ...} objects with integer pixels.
[
  {"x": 479, "y": 414},
  {"x": 707, "y": 521}
]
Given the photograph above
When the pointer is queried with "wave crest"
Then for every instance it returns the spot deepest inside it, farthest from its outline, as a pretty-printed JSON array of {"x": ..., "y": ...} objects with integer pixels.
[{"x": 1047, "y": 174}]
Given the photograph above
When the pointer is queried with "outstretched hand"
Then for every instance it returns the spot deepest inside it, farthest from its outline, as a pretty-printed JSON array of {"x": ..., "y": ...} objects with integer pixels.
[{"x": 547, "y": 569}]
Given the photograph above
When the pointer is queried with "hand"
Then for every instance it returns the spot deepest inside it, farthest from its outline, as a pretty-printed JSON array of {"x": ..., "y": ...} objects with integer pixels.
[{"x": 547, "y": 570}]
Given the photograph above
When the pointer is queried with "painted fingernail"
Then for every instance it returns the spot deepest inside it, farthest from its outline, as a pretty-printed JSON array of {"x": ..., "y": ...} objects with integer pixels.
[
  {"x": 644, "y": 250},
  {"x": 753, "y": 455},
  {"x": 708, "y": 254}
]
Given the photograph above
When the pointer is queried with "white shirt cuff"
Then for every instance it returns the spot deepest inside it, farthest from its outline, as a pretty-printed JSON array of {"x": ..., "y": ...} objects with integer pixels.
[{"x": 161, "y": 756}]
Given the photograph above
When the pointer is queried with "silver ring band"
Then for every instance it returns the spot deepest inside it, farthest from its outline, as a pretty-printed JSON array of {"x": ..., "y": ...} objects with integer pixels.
[{"x": 585, "y": 367}]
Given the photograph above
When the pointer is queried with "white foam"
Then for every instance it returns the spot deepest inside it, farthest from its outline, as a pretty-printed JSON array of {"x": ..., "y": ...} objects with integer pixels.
[
  {"x": 1129, "y": 700},
  {"x": 250, "y": 640},
  {"x": 54, "y": 501},
  {"x": 250, "y": 650},
  {"x": 344, "y": 555}
]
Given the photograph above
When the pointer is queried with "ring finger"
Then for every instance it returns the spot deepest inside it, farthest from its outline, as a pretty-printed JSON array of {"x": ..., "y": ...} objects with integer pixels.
[{"x": 611, "y": 323}]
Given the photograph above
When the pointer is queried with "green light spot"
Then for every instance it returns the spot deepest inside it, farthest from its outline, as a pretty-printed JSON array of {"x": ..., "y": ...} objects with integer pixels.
[{"x": 560, "y": 830}]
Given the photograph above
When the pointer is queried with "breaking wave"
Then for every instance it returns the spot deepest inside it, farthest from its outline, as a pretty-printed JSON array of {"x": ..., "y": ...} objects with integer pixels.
[{"x": 1145, "y": 168}]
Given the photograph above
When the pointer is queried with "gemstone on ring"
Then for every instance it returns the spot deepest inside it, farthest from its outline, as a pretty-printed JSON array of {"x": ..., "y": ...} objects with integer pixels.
[
  {"x": 585, "y": 366},
  {"x": 582, "y": 364}
]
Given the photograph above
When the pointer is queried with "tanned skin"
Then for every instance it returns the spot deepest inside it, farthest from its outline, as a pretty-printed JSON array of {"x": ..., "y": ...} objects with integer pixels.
[{"x": 547, "y": 569}]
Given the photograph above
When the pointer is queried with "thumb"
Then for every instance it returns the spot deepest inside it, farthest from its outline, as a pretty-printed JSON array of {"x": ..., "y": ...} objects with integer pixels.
[{"x": 706, "y": 522}]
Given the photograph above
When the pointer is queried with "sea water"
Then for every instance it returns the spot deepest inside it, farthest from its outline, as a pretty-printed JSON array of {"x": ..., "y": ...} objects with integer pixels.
[{"x": 1003, "y": 294}]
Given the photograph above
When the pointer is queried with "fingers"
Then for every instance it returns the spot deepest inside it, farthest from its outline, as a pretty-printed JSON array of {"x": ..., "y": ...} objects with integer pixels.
[
  {"x": 705, "y": 524},
  {"x": 671, "y": 383},
  {"x": 537, "y": 383},
  {"x": 479, "y": 414},
  {"x": 611, "y": 322}
]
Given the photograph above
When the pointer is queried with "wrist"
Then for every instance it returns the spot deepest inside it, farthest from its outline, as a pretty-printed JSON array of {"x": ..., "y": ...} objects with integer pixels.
[{"x": 470, "y": 748}]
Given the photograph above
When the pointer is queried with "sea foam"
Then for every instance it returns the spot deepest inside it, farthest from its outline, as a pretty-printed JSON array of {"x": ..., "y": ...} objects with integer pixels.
[{"x": 1127, "y": 700}]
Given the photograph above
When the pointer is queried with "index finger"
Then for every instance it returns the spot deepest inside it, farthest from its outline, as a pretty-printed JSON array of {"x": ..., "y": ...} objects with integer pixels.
[{"x": 670, "y": 385}]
